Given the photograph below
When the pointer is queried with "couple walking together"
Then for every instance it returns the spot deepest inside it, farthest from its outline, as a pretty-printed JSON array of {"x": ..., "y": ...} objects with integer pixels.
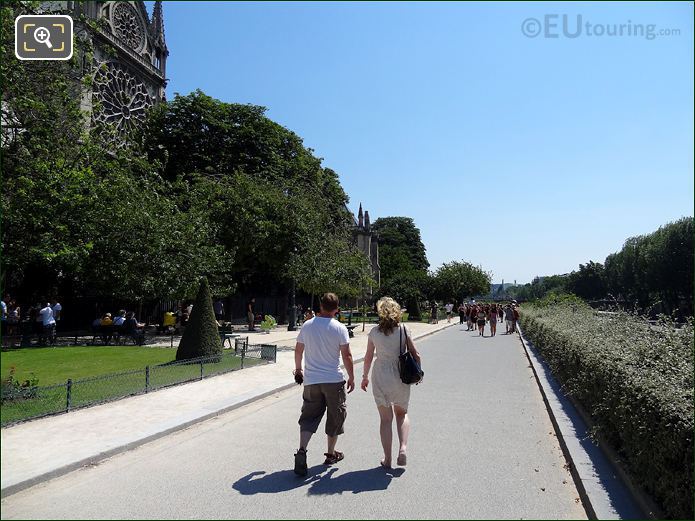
[{"x": 322, "y": 341}]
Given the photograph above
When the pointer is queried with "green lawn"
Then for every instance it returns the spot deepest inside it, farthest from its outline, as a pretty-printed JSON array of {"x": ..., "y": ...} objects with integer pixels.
[
  {"x": 97, "y": 364},
  {"x": 55, "y": 365}
]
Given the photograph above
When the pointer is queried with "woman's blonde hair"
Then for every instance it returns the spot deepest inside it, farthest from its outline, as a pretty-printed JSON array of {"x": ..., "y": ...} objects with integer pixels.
[{"x": 389, "y": 314}]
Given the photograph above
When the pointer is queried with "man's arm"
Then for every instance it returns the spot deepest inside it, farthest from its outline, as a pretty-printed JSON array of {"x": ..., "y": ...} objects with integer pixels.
[
  {"x": 347, "y": 362},
  {"x": 298, "y": 354}
]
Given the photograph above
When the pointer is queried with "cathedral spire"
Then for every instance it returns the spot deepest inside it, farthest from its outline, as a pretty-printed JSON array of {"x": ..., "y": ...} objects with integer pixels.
[
  {"x": 360, "y": 217},
  {"x": 367, "y": 224},
  {"x": 158, "y": 20}
]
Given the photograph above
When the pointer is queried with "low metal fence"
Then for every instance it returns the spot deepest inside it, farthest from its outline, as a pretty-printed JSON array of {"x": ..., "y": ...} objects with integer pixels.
[{"x": 30, "y": 402}]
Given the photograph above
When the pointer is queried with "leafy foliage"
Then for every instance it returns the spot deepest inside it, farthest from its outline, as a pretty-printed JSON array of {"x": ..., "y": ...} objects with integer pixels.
[
  {"x": 403, "y": 261},
  {"x": 635, "y": 380},
  {"x": 267, "y": 194},
  {"x": 456, "y": 280},
  {"x": 655, "y": 267},
  {"x": 650, "y": 270}
]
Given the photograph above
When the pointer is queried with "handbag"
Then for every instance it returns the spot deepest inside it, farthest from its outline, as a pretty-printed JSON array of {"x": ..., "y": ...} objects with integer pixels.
[{"x": 410, "y": 370}]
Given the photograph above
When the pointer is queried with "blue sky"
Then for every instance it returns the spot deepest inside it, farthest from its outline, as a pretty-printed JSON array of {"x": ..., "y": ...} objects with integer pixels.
[{"x": 526, "y": 156}]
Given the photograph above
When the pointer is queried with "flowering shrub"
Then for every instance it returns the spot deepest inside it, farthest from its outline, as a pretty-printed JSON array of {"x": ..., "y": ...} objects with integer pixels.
[
  {"x": 12, "y": 389},
  {"x": 636, "y": 381},
  {"x": 268, "y": 323}
]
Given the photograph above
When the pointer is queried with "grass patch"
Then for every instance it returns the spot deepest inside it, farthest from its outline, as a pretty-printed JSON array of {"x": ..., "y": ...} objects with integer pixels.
[
  {"x": 55, "y": 365},
  {"x": 101, "y": 374}
]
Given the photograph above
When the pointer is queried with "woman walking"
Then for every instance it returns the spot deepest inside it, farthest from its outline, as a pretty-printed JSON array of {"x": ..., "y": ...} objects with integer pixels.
[
  {"x": 493, "y": 319},
  {"x": 391, "y": 395},
  {"x": 500, "y": 312},
  {"x": 481, "y": 321}
]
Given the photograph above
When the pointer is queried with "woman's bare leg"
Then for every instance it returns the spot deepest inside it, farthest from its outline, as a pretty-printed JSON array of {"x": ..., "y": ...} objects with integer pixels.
[
  {"x": 403, "y": 428},
  {"x": 386, "y": 433}
]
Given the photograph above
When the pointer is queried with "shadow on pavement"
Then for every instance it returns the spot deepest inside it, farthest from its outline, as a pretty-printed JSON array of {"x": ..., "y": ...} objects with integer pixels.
[
  {"x": 280, "y": 481},
  {"x": 358, "y": 481}
]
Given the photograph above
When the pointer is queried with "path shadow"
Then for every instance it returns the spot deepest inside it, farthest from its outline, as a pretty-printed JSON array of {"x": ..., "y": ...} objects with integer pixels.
[
  {"x": 368, "y": 480},
  {"x": 282, "y": 481}
]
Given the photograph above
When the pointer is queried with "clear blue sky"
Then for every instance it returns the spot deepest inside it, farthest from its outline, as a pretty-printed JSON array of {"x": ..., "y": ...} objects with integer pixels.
[{"x": 526, "y": 156}]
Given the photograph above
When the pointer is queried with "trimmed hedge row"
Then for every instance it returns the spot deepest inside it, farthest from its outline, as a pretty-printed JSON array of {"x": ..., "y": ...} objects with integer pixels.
[{"x": 636, "y": 382}]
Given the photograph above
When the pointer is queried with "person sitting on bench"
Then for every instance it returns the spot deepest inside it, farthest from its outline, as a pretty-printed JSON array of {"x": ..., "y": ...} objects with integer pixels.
[{"x": 131, "y": 328}]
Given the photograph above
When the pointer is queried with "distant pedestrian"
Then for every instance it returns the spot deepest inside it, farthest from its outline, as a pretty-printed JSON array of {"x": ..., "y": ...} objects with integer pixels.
[
  {"x": 250, "y": 316},
  {"x": 391, "y": 395},
  {"x": 515, "y": 315},
  {"x": 492, "y": 318},
  {"x": 449, "y": 308},
  {"x": 462, "y": 314},
  {"x": 218, "y": 307},
  {"x": 481, "y": 321},
  {"x": 309, "y": 314},
  {"x": 500, "y": 313},
  {"x": 509, "y": 317},
  {"x": 322, "y": 342},
  {"x": 3, "y": 309},
  {"x": 433, "y": 310},
  {"x": 57, "y": 311},
  {"x": 48, "y": 322}
]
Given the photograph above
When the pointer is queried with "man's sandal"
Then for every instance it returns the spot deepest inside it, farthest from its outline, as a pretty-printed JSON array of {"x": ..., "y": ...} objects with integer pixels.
[
  {"x": 300, "y": 467},
  {"x": 333, "y": 458}
]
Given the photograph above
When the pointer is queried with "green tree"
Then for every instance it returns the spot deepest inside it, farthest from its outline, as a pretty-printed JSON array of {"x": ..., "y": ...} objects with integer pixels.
[
  {"x": 588, "y": 282},
  {"x": 403, "y": 262},
  {"x": 267, "y": 193},
  {"x": 201, "y": 336},
  {"x": 332, "y": 263},
  {"x": 456, "y": 280}
]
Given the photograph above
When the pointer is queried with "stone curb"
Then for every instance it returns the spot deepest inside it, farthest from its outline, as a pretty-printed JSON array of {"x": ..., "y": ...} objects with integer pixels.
[
  {"x": 92, "y": 460},
  {"x": 597, "y": 501}
]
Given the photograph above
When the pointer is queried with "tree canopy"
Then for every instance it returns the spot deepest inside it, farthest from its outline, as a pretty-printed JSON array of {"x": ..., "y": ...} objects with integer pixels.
[{"x": 403, "y": 261}]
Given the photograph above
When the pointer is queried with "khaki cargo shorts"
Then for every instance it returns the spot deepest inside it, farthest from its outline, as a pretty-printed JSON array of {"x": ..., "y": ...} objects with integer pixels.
[{"x": 319, "y": 398}]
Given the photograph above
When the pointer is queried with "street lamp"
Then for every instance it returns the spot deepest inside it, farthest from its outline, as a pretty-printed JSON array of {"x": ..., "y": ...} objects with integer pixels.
[{"x": 292, "y": 326}]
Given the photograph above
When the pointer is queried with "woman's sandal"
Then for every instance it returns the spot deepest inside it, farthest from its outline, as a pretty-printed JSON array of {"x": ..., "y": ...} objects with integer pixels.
[
  {"x": 333, "y": 458},
  {"x": 402, "y": 459}
]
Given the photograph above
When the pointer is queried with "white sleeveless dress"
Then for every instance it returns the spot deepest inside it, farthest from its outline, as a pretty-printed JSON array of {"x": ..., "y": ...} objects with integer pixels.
[{"x": 387, "y": 386}]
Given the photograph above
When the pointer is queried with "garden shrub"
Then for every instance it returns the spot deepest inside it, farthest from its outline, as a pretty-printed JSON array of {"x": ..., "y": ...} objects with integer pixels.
[
  {"x": 636, "y": 382},
  {"x": 201, "y": 336}
]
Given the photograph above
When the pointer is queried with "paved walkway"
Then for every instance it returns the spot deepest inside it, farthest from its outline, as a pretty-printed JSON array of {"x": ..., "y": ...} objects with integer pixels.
[
  {"x": 38, "y": 450},
  {"x": 482, "y": 446}
]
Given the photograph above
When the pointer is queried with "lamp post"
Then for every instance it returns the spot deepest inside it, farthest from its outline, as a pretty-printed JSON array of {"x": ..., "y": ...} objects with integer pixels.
[{"x": 292, "y": 326}]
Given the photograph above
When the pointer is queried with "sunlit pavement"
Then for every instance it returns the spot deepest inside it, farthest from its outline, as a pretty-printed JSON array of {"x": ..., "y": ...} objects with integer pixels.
[{"x": 482, "y": 446}]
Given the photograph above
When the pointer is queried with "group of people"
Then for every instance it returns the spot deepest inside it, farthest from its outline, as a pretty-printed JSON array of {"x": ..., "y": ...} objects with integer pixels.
[
  {"x": 477, "y": 315},
  {"x": 321, "y": 344},
  {"x": 39, "y": 319},
  {"x": 123, "y": 324}
]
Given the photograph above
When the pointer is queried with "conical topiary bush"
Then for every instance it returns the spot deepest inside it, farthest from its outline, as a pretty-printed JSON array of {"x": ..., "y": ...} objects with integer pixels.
[{"x": 201, "y": 337}]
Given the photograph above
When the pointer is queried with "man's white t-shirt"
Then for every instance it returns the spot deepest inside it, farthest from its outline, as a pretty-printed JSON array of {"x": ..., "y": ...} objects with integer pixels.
[
  {"x": 57, "y": 308},
  {"x": 47, "y": 316},
  {"x": 449, "y": 307},
  {"x": 322, "y": 338}
]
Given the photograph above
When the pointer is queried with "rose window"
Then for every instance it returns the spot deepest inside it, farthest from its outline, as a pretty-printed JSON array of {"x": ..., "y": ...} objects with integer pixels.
[
  {"x": 122, "y": 99},
  {"x": 128, "y": 26}
]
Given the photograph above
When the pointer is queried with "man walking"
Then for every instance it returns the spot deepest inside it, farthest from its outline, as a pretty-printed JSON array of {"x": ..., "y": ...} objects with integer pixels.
[{"x": 324, "y": 341}]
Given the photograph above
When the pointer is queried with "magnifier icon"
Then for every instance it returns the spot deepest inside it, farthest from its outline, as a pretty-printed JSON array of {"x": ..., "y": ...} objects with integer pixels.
[{"x": 42, "y": 35}]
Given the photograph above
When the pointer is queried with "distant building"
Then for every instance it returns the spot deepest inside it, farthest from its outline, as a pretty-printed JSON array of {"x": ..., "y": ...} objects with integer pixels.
[{"x": 368, "y": 243}]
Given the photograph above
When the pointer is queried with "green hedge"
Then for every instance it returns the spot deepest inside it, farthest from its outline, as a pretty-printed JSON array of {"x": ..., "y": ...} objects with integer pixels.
[{"x": 636, "y": 382}]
